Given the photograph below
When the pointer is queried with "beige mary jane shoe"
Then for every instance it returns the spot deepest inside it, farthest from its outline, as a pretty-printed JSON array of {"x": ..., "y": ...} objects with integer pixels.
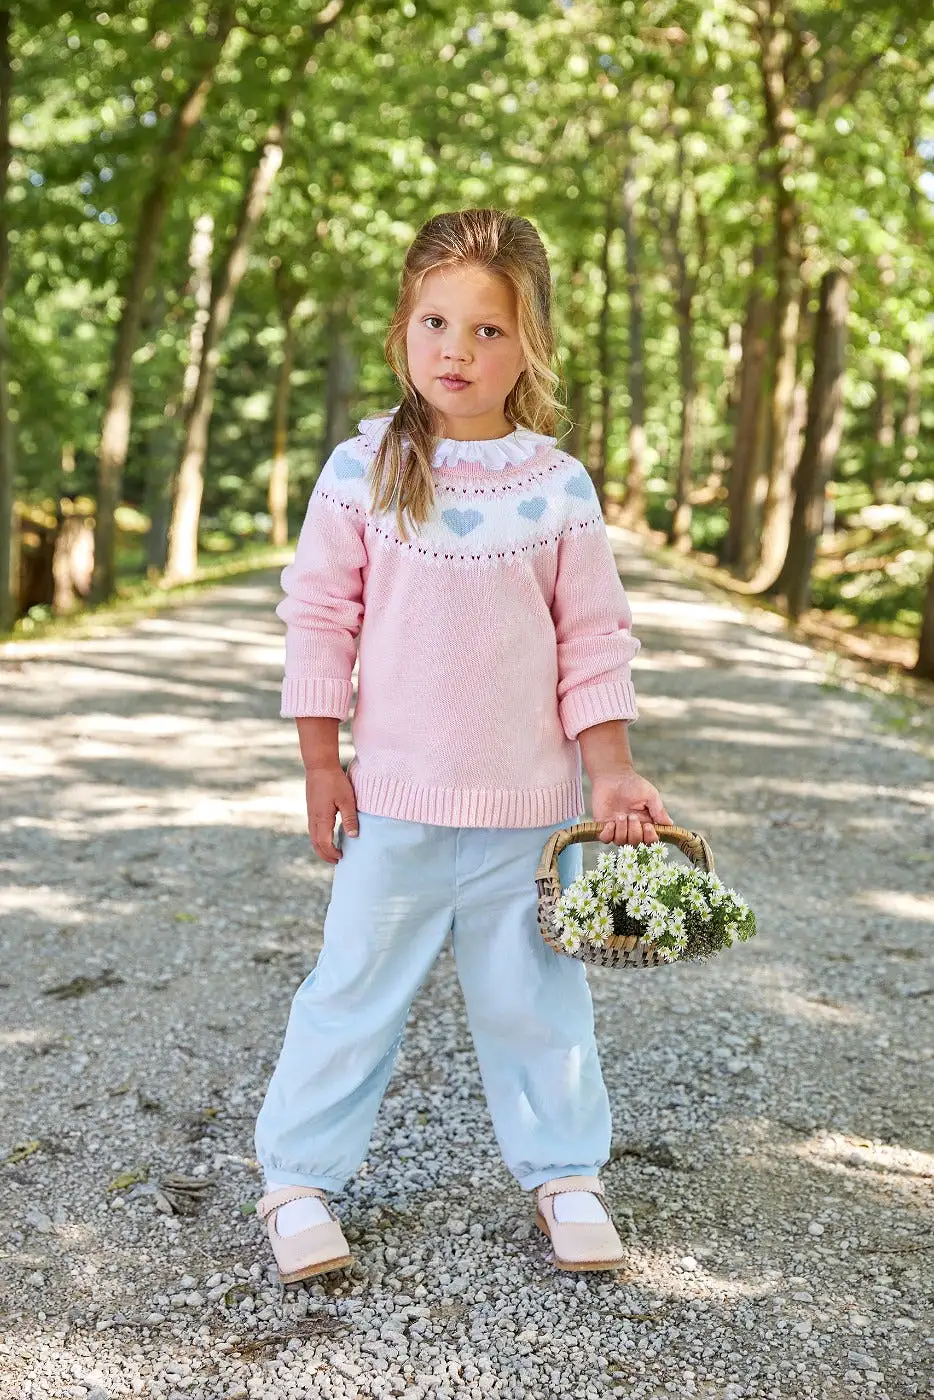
[
  {"x": 315, "y": 1250},
  {"x": 578, "y": 1245}
]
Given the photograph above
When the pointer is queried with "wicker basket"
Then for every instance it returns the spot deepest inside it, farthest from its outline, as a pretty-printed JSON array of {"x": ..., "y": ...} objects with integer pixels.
[{"x": 625, "y": 947}]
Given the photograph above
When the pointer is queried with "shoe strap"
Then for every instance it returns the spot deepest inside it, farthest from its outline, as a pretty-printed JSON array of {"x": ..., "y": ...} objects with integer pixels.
[
  {"x": 283, "y": 1195},
  {"x": 560, "y": 1184}
]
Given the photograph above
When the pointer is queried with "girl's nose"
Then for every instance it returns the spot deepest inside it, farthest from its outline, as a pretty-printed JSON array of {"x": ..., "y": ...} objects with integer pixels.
[{"x": 456, "y": 349}]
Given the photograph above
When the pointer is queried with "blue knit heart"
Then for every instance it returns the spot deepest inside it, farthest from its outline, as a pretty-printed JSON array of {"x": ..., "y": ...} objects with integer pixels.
[
  {"x": 346, "y": 466},
  {"x": 462, "y": 521},
  {"x": 580, "y": 485},
  {"x": 532, "y": 510}
]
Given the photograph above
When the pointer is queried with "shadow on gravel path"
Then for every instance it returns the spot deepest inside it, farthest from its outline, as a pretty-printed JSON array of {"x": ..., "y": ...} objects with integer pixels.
[{"x": 774, "y": 1148}]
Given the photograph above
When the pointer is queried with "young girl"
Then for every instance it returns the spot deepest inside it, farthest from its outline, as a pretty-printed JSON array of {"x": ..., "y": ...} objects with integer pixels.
[{"x": 464, "y": 555}]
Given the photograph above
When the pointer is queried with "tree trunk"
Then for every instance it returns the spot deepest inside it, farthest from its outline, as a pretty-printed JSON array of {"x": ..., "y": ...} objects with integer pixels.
[
  {"x": 797, "y": 420},
  {"x": 633, "y": 511},
  {"x": 782, "y": 144},
  {"x": 189, "y": 487},
  {"x": 911, "y": 422},
  {"x": 577, "y": 374},
  {"x": 115, "y": 426},
  {"x": 598, "y": 462},
  {"x": 160, "y": 479},
  {"x": 822, "y": 439},
  {"x": 924, "y": 666},
  {"x": 157, "y": 450},
  {"x": 883, "y": 433},
  {"x": 883, "y": 412},
  {"x": 595, "y": 435},
  {"x": 279, "y": 476},
  {"x": 339, "y": 380},
  {"x": 730, "y": 389},
  {"x": 749, "y": 442},
  {"x": 577, "y": 411},
  {"x": 160, "y": 448},
  {"x": 72, "y": 559},
  {"x": 8, "y": 601},
  {"x": 183, "y": 534},
  {"x": 776, "y": 515},
  {"x": 679, "y": 529}
]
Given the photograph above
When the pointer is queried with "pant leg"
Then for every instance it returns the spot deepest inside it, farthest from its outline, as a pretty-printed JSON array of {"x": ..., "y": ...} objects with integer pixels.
[
  {"x": 390, "y": 913},
  {"x": 530, "y": 1012}
]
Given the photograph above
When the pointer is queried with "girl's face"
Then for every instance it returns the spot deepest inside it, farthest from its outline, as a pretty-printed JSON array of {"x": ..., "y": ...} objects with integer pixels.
[{"x": 463, "y": 349}]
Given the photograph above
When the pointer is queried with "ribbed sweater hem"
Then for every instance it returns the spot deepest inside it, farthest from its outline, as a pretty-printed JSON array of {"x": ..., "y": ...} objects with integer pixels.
[{"x": 384, "y": 796}]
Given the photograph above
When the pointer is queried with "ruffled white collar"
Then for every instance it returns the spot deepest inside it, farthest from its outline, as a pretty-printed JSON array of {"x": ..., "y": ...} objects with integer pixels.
[{"x": 493, "y": 454}]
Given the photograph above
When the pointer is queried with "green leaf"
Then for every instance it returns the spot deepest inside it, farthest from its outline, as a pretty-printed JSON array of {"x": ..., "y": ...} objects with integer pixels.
[{"x": 129, "y": 1178}]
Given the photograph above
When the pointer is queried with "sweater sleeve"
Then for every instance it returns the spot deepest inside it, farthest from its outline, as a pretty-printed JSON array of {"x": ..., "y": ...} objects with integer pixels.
[
  {"x": 323, "y": 609},
  {"x": 593, "y": 627}
]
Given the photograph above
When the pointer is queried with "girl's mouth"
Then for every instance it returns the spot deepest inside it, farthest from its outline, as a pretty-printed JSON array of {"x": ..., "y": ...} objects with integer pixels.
[{"x": 454, "y": 381}]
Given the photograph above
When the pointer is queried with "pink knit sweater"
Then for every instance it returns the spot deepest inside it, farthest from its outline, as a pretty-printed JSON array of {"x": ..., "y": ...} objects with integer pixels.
[{"x": 487, "y": 641}]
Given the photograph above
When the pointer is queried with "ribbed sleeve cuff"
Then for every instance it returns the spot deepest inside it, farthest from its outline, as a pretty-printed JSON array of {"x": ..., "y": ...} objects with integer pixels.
[
  {"x": 595, "y": 704},
  {"x": 314, "y": 696}
]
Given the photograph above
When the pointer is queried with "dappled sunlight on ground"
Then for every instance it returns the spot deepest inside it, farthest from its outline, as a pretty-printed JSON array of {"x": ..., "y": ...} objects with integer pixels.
[
  {"x": 837, "y": 1152},
  {"x": 907, "y": 906},
  {"x": 773, "y": 1144}
]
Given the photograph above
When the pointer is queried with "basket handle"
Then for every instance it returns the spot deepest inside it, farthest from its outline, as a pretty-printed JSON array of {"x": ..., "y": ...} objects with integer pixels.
[{"x": 690, "y": 843}]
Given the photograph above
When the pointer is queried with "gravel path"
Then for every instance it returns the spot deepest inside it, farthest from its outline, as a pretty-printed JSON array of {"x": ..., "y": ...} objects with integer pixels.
[{"x": 774, "y": 1148}]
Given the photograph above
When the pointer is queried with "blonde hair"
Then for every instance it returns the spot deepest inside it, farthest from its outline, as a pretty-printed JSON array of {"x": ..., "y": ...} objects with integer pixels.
[{"x": 507, "y": 246}]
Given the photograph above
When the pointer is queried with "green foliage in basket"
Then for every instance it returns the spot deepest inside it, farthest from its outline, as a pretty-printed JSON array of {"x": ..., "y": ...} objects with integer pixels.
[{"x": 684, "y": 911}]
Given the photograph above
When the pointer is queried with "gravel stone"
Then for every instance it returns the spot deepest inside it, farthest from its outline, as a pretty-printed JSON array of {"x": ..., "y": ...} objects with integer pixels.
[{"x": 155, "y": 835}]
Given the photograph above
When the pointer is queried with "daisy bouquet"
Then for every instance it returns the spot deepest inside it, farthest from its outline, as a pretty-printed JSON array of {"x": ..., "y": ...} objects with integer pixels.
[{"x": 678, "y": 911}]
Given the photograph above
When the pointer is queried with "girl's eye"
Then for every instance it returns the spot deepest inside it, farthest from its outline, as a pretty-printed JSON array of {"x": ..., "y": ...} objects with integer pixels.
[
  {"x": 432, "y": 318},
  {"x": 494, "y": 329}
]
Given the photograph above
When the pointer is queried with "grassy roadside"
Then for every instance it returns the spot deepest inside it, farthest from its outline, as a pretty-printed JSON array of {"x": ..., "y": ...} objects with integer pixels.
[{"x": 143, "y": 598}]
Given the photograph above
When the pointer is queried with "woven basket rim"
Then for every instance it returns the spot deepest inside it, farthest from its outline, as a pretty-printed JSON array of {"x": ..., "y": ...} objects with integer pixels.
[
  {"x": 616, "y": 950},
  {"x": 698, "y": 847}
]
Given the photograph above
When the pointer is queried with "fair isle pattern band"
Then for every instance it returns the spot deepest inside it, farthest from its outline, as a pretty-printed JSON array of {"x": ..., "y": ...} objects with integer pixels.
[{"x": 524, "y": 509}]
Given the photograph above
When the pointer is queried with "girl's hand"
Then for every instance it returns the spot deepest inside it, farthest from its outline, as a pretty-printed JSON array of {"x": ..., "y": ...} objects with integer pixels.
[
  {"x": 328, "y": 790},
  {"x": 628, "y": 806}
]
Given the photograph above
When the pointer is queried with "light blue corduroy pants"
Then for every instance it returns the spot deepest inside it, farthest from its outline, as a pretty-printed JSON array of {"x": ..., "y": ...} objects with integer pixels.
[{"x": 398, "y": 891}]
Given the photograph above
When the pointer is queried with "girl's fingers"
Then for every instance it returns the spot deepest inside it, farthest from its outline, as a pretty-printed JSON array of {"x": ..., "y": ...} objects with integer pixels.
[
  {"x": 633, "y": 830},
  {"x": 348, "y": 814},
  {"x": 636, "y": 830},
  {"x": 321, "y": 832}
]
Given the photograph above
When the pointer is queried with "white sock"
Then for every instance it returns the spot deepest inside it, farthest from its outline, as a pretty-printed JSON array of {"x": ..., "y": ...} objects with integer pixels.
[
  {"x": 578, "y": 1208},
  {"x": 298, "y": 1215}
]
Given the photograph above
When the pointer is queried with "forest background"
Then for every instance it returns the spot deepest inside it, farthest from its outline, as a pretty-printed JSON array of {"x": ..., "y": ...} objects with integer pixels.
[{"x": 204, "y": 207}]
